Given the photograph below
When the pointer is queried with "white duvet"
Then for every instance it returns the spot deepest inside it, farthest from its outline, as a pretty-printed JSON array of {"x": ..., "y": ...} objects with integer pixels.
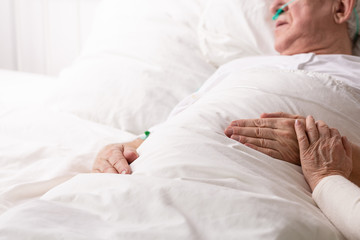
[{"x": 190, "y": 181}]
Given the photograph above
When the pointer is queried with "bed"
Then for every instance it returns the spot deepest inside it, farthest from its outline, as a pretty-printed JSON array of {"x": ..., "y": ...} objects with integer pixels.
[{"x": 190, "y": 181}]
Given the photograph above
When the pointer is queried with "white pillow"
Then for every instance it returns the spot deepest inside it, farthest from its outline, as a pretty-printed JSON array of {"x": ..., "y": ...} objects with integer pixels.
[
  {"x": 231, "y": 29},
  {"x": 141, "y": 59}
]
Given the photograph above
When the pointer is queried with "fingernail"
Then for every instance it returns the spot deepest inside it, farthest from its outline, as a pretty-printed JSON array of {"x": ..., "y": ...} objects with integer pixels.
[
  {"x": 123, "y": 172},
  {"x": 297, "y": 122},
  {"x": 229, "y": 131}
]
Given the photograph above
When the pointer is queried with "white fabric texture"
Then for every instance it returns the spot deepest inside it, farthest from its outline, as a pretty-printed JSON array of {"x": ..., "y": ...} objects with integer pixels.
[
  {"x": 344, "y": 69},
  {"x": 339, "y": 199},
  {"x": 230, "y": 29},
  {"x": 41, "y": 148},
  {"x": 190, "y": 181},
  {"x": 141, "y": 59}
]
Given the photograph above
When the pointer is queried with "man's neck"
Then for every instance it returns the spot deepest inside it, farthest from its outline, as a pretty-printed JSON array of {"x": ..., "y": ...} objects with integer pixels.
[
  {"x": 337, "y": 43},
  {"x": 341, "y": 46}
]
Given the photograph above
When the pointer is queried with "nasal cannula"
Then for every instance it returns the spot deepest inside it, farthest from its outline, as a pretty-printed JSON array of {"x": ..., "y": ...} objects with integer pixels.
[{"x": 281, "y": 10}]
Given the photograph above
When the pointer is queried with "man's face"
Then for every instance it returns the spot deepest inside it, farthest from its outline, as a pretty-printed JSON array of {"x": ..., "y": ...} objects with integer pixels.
[{"x": 304, "y": 25}]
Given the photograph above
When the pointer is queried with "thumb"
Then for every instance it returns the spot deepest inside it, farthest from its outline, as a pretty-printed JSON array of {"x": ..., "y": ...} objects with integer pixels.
[
  {"x": 301, "y": 136},
  {"x": 130, "y": 154}
]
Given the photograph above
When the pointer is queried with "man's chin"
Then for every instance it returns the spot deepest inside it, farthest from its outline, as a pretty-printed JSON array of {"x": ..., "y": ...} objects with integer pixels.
[
  {"x": 283, "y": 49},
  {"x": 280, "y": 49}
]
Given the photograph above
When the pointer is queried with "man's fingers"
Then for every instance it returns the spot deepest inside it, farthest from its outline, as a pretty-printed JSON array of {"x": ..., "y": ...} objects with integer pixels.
[
  {"x": 103, "y": 166},
  {"x": 130, "y": 154},
  {"x": 270, "y": 152},
  {"x": 263, "y": 123},
  {"x": 301, "y": 136},
  {"x": 260, "y": 142},
  {"x": 311, "y": 129},
  {"x": 254, "y": 123},
  {"x": 109, "y": 169},
  {"x": 334, "y": 132},
  {"x": 118, "y": 161},
  {"x": 324, "y": 130},
  {"x": 280, "y": 115},
  {"x": 255, "y": 132},
  {"x": 228, "y": 131}
]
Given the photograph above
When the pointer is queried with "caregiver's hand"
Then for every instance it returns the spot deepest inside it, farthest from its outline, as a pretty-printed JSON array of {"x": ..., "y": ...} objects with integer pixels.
[
  {"x": 115, "y": 158},
  {"x": 273, "y": 134},
  {"x": 323, "y": 151}
]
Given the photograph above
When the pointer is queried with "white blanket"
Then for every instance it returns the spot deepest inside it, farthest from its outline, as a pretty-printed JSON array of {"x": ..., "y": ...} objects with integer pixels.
[{"x": 190, "y": 181}]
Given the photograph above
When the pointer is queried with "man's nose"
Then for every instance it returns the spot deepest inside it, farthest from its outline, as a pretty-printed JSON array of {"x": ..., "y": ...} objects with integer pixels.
[{"x": 276, "y": 4}]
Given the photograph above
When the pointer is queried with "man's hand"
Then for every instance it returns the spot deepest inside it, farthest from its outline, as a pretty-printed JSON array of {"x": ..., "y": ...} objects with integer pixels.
[
  {"x": 115, "y": 158},
  {"x": 323, "y": 151},
  {"x": 273, "y": 134}
]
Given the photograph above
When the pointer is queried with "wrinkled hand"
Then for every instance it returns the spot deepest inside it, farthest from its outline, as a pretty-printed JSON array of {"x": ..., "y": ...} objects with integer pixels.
[
  {"x": 273, "y": 134},
  {"x": 323, "y": 151},
  {"x": 115, "y": 158}
]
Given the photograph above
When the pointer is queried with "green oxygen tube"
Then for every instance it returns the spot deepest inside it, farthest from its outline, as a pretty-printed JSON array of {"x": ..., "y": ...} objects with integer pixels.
[{"x": 281, "y": 10}]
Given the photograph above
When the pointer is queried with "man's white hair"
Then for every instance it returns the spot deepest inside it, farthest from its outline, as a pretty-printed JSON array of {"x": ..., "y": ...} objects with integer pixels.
[{"x": 352, "y": 29}]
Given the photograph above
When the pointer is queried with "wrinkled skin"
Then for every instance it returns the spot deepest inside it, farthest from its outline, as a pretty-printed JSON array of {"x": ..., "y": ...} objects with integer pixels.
[
  {"x": 273, "y": 134},
  {"x": 323, "y": 151},
  {"x": 320, "y": 150},
  {"x": 318, "y": 26}
]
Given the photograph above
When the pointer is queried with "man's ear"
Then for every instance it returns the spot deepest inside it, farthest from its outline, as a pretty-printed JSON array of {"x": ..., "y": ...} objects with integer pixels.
[{"x": 343, "y": 10}]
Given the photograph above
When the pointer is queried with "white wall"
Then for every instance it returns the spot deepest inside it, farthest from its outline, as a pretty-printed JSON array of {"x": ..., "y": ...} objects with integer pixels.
[
  {"x": 7, "y": 50},
  {"x": 43, "y": 36}
]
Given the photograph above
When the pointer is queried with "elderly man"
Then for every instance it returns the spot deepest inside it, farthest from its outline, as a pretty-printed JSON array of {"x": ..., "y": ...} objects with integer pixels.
[{"x": 310, "y": 35}]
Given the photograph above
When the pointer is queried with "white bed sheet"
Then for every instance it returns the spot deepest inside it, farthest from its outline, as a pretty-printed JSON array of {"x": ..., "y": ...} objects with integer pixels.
[
  {"x": 190, "y": 182},
  {"x": 41, "y": 148}
]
